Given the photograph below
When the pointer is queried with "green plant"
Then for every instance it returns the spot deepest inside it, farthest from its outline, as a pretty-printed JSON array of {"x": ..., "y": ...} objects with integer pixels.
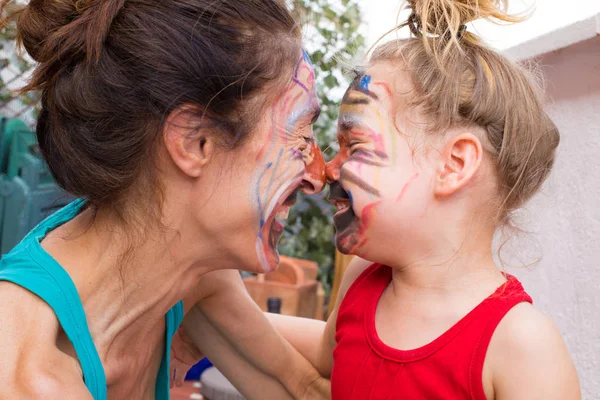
[
  {"x": 14, "y": 67},
  {"x": 332, "y": 35}
]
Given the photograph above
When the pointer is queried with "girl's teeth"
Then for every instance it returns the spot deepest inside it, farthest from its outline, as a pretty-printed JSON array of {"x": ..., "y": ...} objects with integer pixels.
[{"x": 342, "y": 206}]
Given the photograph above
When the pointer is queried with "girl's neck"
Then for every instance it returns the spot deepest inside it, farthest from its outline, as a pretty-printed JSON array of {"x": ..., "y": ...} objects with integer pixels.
[
  {"x": 443, "y": 279},
  {"x": 452, "y": 262}
]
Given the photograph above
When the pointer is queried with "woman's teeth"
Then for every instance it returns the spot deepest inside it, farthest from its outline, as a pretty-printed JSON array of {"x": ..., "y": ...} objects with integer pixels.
[
  {"x": 342, "y": 206},
  {"x": 283, "y": 213}
]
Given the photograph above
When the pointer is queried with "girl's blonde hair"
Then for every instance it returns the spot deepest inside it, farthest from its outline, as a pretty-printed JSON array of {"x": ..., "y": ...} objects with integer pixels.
[{"x": 460, "y": 81}]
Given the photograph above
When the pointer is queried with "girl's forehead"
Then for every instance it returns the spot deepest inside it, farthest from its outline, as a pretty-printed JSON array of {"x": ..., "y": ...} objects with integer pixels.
[{"x": 389, "y": 79}]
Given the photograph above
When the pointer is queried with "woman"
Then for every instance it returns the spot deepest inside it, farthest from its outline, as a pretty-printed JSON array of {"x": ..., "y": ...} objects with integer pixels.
[{"x": 184, "y": 127}]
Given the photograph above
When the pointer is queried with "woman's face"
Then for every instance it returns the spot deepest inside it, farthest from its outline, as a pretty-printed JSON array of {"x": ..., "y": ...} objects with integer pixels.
[
  {"x": 262, "y": 178},
  {"x": 377, "y": 184}
]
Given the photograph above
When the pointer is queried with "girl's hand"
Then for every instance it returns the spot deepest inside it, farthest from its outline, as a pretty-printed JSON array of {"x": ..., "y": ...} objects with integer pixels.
[{"x": 184, "y": 355}]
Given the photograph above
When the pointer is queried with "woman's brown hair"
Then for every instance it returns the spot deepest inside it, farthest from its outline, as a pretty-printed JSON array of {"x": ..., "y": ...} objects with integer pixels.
[
  {"x": 111, "y": 71},
  {"x": 458, "y": 80}
]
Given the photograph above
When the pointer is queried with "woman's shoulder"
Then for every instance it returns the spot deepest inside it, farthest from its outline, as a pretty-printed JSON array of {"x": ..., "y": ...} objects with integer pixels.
[
  {"x": 527, "y": 357},
  {"x": 32, "y": 365}
]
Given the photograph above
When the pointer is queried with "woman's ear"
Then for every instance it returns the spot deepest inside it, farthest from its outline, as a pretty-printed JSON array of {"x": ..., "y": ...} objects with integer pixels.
[
  {"x": 461, "y": 158},
  {"x": 189, "y": 140}
]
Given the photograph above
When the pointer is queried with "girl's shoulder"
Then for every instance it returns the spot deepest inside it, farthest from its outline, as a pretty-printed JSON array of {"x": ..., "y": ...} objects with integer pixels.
[{"x": 527, "y": 358}]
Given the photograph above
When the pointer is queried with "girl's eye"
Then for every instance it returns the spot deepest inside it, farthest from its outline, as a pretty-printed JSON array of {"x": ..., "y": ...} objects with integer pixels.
[{"x": 352, "y": 147}]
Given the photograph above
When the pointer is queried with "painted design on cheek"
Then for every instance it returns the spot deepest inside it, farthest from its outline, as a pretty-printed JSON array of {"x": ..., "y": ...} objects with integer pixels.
[
  {"x": 366, "y": 222},
  {"x": 362, "y": 157},
  {"x": 258, "y": 199},
  {"x": 406, "y": 185},
  {"x": 364, "y": 82},
  {"x": 350, "y": 177},
  {"x": 268, "y": 191}
]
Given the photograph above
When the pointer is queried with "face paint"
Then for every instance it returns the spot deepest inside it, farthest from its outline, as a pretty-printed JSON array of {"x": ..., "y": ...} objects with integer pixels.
[
  {"x": 290, "y": 158},
  {"x": 364, "y": 83},
  {"x": 374, "y": 169}
]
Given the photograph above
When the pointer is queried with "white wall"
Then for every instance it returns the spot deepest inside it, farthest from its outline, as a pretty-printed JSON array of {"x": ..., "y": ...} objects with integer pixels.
[
  {"x": 548, "y": 15},
  {"x": 564, "y": 220}
]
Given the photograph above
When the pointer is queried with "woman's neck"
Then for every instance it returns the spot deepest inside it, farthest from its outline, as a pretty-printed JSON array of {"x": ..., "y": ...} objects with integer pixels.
[{"x": 126, "y": 289}]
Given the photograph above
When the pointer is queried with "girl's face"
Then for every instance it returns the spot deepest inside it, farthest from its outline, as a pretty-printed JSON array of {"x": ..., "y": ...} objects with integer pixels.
[{"x": 381, "y": 189}]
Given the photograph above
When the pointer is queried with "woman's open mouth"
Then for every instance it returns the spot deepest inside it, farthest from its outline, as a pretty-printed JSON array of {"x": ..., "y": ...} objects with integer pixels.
[
  {"x": 272, "y": 230},
  {"x": 280, "y": 220}
]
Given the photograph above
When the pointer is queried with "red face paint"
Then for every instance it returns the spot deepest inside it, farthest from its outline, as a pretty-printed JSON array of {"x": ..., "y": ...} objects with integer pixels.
[
  {"x": 316, "y": 168},
  {"x": 415, "y": 176}
]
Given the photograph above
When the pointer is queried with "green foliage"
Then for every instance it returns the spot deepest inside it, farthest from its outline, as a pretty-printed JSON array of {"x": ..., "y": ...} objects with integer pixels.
[
  {"x": 14, "y": 67},
  {"x": 331, "y": 35}
]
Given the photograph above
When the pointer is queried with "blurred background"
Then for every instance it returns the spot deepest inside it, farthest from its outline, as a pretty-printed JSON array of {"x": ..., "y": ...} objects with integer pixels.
[{"x": 557, "y": 253}]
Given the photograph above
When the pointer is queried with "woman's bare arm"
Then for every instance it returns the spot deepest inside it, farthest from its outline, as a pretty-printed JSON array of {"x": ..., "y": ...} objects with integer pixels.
[{"x": 31, "y": 365}]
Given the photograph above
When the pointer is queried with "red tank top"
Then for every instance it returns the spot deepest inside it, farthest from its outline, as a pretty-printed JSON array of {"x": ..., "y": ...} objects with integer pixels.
[{"x": 450, "y": 367}]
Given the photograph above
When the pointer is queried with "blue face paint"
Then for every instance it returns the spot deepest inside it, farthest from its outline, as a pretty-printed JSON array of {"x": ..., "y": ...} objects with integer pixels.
[
  {"x": 365, "y": 81},
  {"x": 306, "y": 57},
  {"x": 258, "y": 200},
  {"x": 350, "y": 197}
]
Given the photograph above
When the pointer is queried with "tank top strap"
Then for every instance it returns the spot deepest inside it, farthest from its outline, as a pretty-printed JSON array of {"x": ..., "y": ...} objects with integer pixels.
[
  {"x": 173, "y": 319},
  {"x": 30, "y": 267},
  {"x": 363, "y": 291},
  {"x": 375, "y": 276},
  {"x": 496, "y": 308}
]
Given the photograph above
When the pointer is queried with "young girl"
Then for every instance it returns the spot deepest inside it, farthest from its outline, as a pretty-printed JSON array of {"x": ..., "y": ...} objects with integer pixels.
[{"x": 441, "y": 138}]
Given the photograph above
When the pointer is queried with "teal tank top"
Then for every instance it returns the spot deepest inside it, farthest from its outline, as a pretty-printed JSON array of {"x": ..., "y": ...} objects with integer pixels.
[{"x": 32, "y": 268}]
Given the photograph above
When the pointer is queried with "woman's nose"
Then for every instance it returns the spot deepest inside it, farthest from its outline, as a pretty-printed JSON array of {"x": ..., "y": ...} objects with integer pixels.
[{"x": 314, "y": 172}]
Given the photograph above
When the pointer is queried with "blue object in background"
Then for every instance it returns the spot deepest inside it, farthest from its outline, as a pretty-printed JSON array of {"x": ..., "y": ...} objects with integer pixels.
[{"x": 196, "y": 371}]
